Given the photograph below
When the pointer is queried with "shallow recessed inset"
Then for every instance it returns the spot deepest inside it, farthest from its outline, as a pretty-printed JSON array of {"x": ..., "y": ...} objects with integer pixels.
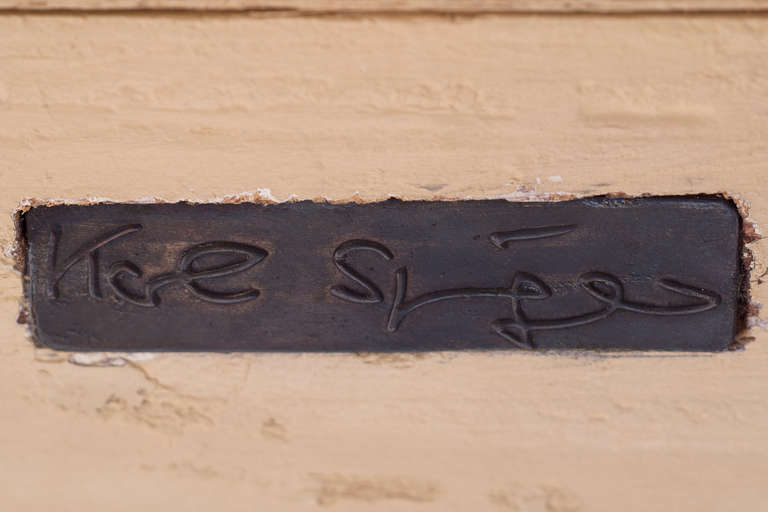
[{"x": 661, "y": 273}]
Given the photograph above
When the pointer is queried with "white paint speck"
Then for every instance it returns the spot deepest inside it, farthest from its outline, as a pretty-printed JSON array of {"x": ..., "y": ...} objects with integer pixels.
[{"x": 108, "y": 358}]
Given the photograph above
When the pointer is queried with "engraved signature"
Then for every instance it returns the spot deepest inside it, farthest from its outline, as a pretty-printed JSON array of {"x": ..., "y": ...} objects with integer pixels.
[
  {"x": 187, "y": 273},
  {"x": 518, "y": 328}
]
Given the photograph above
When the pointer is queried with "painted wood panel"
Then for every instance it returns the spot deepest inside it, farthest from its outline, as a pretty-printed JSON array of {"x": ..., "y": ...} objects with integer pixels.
[{"x": 165, "y": 107}]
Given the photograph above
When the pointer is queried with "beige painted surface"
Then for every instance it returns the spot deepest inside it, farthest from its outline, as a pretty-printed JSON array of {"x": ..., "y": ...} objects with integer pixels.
[
  {"x": 399, "y": 6},
  {"x": 193, "y": 106}
]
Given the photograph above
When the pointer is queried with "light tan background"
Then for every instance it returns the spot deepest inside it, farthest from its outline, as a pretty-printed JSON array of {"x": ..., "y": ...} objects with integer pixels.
[{"x": 126, "y": 106}]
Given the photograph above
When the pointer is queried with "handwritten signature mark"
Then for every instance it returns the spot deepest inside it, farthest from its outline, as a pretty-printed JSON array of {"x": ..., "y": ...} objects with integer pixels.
[
  {"x": 517, "y": 329},
  {"x": 185, "y": 274}
]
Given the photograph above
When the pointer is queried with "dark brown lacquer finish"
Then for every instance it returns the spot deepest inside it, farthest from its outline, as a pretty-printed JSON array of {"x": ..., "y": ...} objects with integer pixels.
[{"x": 602, "y": 273}]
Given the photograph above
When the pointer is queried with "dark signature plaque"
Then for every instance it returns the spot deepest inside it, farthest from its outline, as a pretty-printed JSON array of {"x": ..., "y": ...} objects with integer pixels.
[{"x": 602, "y": 273}]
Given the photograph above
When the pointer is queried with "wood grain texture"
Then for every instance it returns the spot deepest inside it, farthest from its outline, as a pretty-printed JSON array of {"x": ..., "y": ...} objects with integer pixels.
[
  {"x": 399, "y": 6},
  {"x": 199, "y": 108}
]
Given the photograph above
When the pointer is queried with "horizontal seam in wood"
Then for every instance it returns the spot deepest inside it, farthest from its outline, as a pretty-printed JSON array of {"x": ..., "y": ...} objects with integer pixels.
[{"x": 350, "y": 13}]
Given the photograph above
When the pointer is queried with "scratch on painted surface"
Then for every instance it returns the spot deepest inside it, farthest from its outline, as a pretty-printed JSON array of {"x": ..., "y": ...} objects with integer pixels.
[
  {"x": 153, "y": 410},
  {"x": 273, "y": 429},
  {"x": 543, "y": 497},
  {"x": 334, "y": 488}
]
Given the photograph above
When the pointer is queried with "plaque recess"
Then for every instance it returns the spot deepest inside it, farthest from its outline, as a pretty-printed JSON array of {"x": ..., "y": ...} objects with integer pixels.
[{"x": 661, "y": 273}]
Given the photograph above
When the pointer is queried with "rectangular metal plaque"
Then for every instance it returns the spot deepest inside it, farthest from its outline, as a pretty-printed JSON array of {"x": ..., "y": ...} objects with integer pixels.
[{"x": 601, "y": 273}]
